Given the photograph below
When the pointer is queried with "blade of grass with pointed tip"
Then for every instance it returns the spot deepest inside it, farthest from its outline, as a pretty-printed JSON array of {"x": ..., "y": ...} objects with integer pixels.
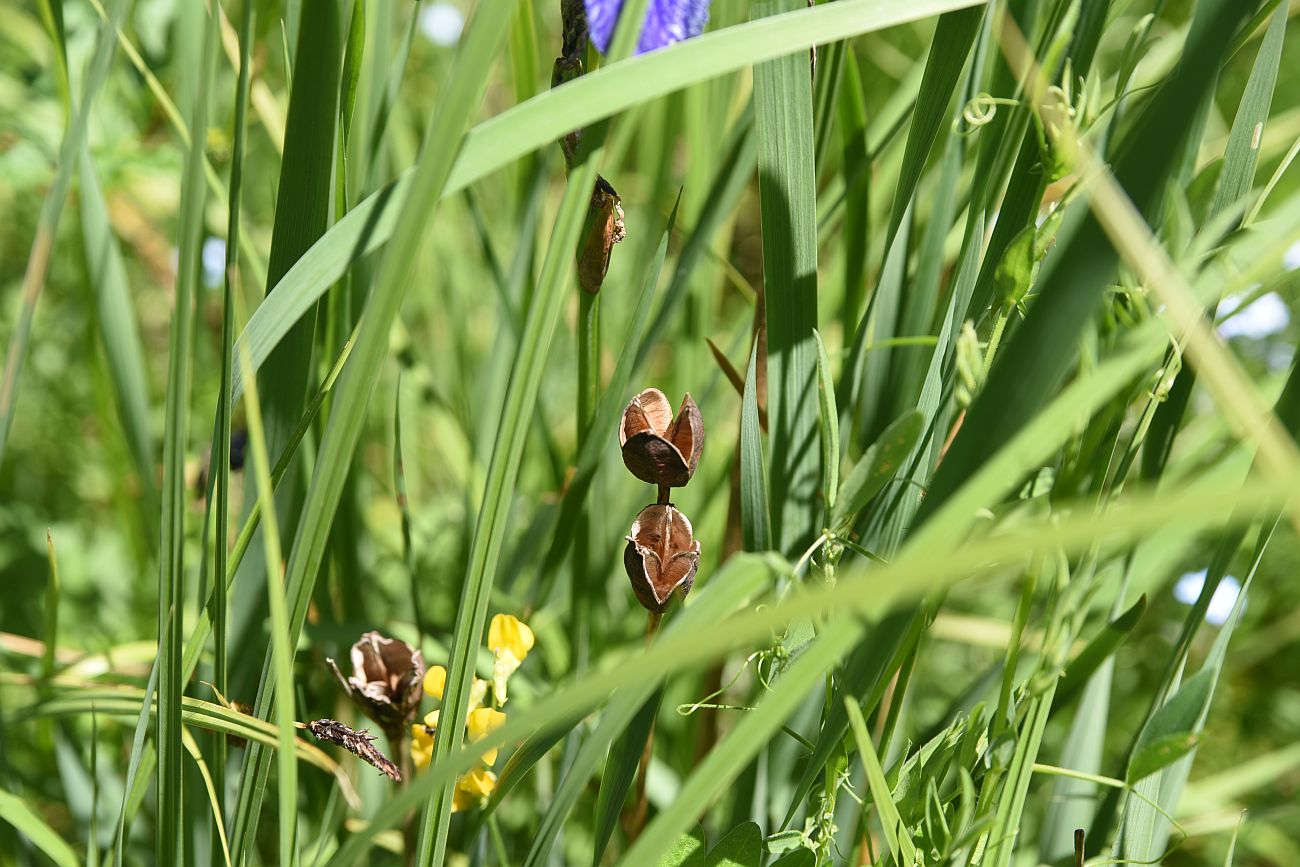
[
  {"x": 896, "y": 833},
  {"x": 954, "y": 35},
  {"x": 1079, "y": 671}
]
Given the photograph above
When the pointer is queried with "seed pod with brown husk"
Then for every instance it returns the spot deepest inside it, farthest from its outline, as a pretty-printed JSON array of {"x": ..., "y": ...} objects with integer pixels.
[
  {"x": 661, "y": 556},
  {"x": 385, "y": 680},
  {"x": 658, "y": 448}
]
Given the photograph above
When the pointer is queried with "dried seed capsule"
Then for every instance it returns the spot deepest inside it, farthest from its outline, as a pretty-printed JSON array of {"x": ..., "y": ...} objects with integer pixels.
[
  {"x": 386, "y": 679},
  {"x": 656, "y": 447},
  {"x": 661, "y": 556}
]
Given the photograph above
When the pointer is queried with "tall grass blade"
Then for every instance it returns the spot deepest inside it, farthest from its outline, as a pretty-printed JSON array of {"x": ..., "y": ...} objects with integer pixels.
[{"x": 788, "y": 205}]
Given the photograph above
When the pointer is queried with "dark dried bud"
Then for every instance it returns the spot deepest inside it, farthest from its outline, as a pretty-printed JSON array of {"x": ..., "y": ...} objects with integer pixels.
[
  {"x": 658, "y": 448},
  {"x": 358, "y": 742},
  {"x": 661, "y": 556},
  {"x": 603, "y": 230},
  {"x": 386, "y": 680}
]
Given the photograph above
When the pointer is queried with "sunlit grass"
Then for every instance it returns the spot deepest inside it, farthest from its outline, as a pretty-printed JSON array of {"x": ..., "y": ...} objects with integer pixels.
[{"x": 946, "y": 281}]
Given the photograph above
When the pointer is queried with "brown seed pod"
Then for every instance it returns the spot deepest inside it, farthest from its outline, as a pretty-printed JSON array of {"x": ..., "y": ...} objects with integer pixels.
[
  {"x": 661, "y": 556},
  {"x": 658, "y": 448},
  {"x": 386, "y": 679}
]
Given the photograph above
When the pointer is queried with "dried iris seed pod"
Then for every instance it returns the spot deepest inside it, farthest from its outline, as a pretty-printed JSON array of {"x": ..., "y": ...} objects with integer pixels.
[
  {"x": 386, "y": 679},
  {"x": 661, "y": 556},
  {"x": 658, "y": 448}
]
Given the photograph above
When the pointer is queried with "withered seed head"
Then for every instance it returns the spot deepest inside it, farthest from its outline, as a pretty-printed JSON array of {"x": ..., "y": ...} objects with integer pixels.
[
  {"x": 658, "y": 448},
  {"x": 661, "y": 556},
  {"x": 385, "y": 680}
]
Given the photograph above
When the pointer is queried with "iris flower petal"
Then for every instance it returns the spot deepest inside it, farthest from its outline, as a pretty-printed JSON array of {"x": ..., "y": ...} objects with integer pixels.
[{"x": 666, "y": 22}]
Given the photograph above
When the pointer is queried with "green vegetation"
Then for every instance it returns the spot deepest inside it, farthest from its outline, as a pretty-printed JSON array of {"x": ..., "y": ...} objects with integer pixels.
[{"x": 323, "y": 319}]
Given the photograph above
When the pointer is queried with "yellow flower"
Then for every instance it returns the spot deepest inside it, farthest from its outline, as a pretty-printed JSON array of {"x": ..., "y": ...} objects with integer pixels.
[
  {"x": 435, "y": 681},
  {"x": 472, "y": 789},
  {"x": 509, "y": 639},
  {"x": 477, "y": 693},
  {"x": 482, "y": 723},
  {"x": 422, "y": 740}
]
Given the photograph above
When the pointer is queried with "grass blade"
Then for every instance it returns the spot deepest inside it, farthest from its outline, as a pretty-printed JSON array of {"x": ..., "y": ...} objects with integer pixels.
[{"x": 788, "y": 204}]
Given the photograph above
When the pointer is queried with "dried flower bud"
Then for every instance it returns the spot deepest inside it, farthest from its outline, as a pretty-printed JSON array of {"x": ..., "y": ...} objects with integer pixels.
[
  {"x": 386, "y": 679},
  {"x": 658, "y": 448},
  {"x": 359, "y": 742},
  {"x": 661, "y": 556},
  {"x": 603, "y": 230}
]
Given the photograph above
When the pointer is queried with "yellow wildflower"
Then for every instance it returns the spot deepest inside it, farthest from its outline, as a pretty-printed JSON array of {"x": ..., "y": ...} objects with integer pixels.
[
  {"x": 472, "y": 789},
  {"x": 482, "y": 723},
  {"x": 435, "y": 681},
  {"x": 477, "y": 693},
  {"x": 509, "y": 639},
  {"x": 422, "y": 740}
]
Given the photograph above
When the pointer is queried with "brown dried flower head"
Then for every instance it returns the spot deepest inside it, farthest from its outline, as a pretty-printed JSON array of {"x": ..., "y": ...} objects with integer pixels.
[
  {"x": 658, "y": 448},
  {"x": 386, "y": 678},
  {"x": 661, "y": 556}
]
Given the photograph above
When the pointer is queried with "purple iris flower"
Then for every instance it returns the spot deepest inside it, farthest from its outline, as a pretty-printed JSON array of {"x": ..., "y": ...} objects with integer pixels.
[{"x": 666, "y": 22}]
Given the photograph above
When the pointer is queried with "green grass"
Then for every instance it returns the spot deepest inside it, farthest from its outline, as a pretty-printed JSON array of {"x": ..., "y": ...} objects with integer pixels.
[{"x": 945, "y": 290}]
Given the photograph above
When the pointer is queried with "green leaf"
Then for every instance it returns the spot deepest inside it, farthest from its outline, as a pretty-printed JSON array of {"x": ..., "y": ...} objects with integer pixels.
[
  {"x": 687, "y": 851},
  {"x": 1160, "y": 751},
  {"x": 896, "y": 833},
  {"x": 620, "y": 771},
  {"x": 755, "y": 520},
  {"x": 878, "y": 465},
  {"x": 788, "y": 207},
  {"x": 742, "y": 846},
  {"x": 953, "y": 37},
  {"x": 830, "y": 427},
  {"x": 537, "y": 123},
  {"x": 1079, "y": 671},
  {"x": 16, "y": 812}
]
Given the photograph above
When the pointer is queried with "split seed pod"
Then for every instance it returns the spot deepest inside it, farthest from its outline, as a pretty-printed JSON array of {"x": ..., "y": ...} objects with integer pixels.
[
  {"x": 658, "y": 448},
  {"x": 385, "y": 681},
  {"x": 661, "y": 556}
]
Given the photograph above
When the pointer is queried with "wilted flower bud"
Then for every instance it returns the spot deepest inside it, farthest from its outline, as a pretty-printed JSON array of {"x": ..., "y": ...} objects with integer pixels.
[
  {"x": 604, "y": 229},
  {"x": 385, "y": 680},
  {"x": 661, "y": 556},
  {"x": 656, "y": 447}
]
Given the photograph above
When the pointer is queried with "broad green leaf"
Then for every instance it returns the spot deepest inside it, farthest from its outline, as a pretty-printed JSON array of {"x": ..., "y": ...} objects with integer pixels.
[
  {"x": 878, "y": 465},
  {"x": 742, "y": 846},
  {"x": 687, "y": 851}
]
